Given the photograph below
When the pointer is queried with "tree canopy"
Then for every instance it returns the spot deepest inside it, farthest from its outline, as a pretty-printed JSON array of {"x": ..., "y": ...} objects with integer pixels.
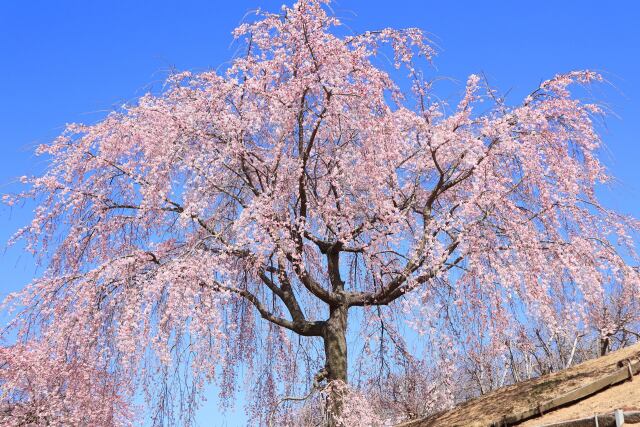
[{"x": 249, "y": 222}]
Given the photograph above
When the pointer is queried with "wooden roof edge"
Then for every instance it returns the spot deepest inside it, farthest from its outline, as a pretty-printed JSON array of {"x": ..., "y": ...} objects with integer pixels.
[{"x": 625, "y": 373}]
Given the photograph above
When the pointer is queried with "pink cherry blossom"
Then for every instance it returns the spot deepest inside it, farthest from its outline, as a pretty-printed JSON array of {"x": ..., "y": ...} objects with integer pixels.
[{"x": 280, "y": 225}]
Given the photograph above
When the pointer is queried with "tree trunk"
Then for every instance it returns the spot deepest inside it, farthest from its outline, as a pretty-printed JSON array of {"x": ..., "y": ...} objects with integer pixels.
[
  {"x": 335, "y": 350},
  {"x": 604, "y": 345}
]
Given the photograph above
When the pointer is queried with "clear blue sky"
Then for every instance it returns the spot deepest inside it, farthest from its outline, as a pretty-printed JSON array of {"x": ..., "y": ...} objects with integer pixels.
[{"x": 64, "y": 61}]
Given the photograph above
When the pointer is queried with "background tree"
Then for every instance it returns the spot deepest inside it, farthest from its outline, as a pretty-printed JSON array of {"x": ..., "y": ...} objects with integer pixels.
[{"x": 248, "y": 219}]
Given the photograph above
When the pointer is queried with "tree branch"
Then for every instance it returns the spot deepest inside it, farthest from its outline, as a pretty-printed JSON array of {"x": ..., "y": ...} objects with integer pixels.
[{"x": 304, "y": 328}]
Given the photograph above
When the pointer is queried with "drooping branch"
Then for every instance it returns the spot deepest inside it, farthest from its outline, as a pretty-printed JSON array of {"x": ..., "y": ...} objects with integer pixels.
[{"x": 301, "y": 327}]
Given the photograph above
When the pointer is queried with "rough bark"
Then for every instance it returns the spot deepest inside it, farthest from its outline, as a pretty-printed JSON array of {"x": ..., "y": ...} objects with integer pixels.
[
  {"x": 604, "y": 346},
  {"x": 335, "y": 347},
  {"x": 335, "y": 344}
]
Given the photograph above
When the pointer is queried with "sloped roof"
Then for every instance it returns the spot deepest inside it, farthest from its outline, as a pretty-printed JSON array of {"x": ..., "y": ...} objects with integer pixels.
[
  {"x": 515, "y": 400},
  {"x": 625, "y": 396}
]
